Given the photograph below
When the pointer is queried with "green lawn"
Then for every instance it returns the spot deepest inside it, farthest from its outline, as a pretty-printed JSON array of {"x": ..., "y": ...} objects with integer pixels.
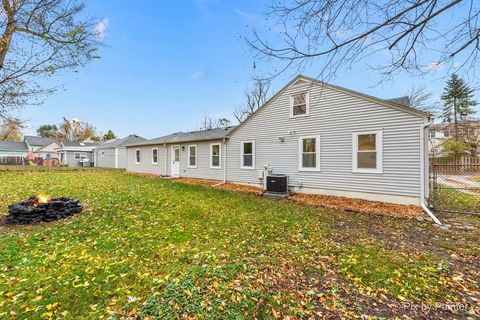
[
  {"x": 151, "y": 248},
  {"x": 457, "y": 200}
]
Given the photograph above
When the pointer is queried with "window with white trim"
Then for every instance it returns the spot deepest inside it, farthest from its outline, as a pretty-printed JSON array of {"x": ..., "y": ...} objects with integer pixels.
[
  {"x": 137, "y": 156},
  {"x": 309, "y": 153},
  {"x": 154, "y": 155},
  {"x": 247, "y": 150},
  {"x": 215, "y": 151},
  {"x": 192, "y": 156},
  {"x": 102, "y": 154},
  {"x": 299, "y": 104},
  {"x": 80, "y": 155},
  {"x": 367, "y": 152}
]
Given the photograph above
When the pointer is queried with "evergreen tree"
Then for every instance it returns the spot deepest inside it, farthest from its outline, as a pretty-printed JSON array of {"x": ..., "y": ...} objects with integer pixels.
[
  {"x": 458, "y": 102},
  {"x": 47, "y": 130},
  {"x": 109, "y": 135}
]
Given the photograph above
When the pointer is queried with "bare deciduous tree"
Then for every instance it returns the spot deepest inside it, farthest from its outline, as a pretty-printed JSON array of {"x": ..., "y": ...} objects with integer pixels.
[
  {"x": 209, "y": 123},
  {"x": 338, "y": 34},
  {"x": 419, "y": 98},
  {"x": 75, "y": 130},
  {"x": 40, "y": 38},
  {"x": 255, "y": 97},
  {"x": 11, "y": 129}
]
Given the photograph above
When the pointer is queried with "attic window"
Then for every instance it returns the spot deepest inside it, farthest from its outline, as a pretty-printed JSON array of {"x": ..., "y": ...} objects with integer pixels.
[{"x": 299, "y": 103}]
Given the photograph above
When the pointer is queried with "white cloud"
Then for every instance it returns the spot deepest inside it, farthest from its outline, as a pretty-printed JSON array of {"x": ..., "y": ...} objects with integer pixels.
[
  {"x": 197, "y": 74},
  {"x": 435, "y": 66},
  {"x": 243, "y": 13},
  {"x": 101, "y": 29}
]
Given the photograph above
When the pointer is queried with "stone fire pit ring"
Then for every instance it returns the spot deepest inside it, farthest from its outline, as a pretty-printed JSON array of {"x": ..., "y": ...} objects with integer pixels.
[{"x": 33, "y": 211}]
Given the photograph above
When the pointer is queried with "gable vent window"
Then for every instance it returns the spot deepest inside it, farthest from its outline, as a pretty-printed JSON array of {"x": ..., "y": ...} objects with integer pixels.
[
  {"x": 299, "y": 104},
  {"x": 248, "y": 154},
  {"x": 309, "y": 153},
  {"x": 367, "y": 152}
]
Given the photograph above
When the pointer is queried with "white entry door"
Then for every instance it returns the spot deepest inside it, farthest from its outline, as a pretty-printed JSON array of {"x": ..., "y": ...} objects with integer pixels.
[{"x": 175, "y": 161}]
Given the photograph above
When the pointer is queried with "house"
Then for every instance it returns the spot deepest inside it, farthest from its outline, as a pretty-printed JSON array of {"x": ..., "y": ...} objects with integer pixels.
[
  {"x": 113, "y": 153},
  {"x": 35, "y": 142},
  {"x": 42, "y": 147},
  {"x": 327, "y": 139},
  {"x": 76, "y": 153},
  {"x": 181, "y": 154},
  {"x": 12, "y": 152},
  {"x": 468, "y": 131}
]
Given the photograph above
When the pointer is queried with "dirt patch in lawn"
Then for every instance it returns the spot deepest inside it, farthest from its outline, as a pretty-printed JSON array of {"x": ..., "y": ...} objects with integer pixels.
[
  {"x": 220, "y": 185},
  {"x": 359, "y": 205}
]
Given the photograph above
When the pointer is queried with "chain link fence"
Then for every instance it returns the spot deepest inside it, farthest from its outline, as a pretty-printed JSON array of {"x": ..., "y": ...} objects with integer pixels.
[{"x": 455, "y": 185}]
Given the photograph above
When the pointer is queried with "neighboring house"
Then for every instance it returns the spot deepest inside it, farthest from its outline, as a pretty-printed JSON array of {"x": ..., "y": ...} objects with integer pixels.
[
  {"x": 76, "y": 154},
  {"x": 48, "y": 151},
  {"x": 468, "y": 131},
  {"x": 34, "y": 142},
  {"x": 13, "y": 152},
  {"x": 113, "y": 153},
  {"x": 327, "y": 139}
]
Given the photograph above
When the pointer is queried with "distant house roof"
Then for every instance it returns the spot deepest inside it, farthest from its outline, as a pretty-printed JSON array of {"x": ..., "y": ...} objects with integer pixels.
[
  {"x": 119, "y": 143},
  {"x": 405, "y": 100},
  {"x": 37, "y": 141},
  {"x": 13, "y": 146},
  {"x": 179, "y": 137}
]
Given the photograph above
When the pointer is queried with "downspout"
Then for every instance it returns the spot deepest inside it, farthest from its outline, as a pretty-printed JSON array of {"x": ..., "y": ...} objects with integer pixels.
[
  {"x": 225, "y": 161},
  {"x": 422, "y": 173},
  {"x": 166, "y": 160}
]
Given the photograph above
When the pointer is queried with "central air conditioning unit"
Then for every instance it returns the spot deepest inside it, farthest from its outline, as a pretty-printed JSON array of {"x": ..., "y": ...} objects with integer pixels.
[{"x": 277, "y": 184}]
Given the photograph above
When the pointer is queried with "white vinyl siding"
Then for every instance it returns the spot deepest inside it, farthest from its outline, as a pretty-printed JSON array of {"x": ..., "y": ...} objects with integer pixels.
[
  {"x": 335, "y": 116},
  {"x": 367, "y": 153},
  {"x": 309, "y": 153},
  {"x": 146, "y": 165},
  {"x": 247, "y": 151},
  {"x": 192, "y": 156},
  {"x": 215, "y": 156}
]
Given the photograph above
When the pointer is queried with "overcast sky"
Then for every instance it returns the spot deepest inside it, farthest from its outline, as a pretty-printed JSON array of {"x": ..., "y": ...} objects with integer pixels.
[{"x": 166, "y": 63}]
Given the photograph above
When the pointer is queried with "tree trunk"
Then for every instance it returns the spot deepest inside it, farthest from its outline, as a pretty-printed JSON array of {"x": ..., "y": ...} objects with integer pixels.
[
  {"x": 455, "y": 118},
  {"x": 8, "y": 33}
]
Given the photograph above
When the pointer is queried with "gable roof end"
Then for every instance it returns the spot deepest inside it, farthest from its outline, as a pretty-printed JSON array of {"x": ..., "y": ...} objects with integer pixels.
[{"x": 387, "y": 103}]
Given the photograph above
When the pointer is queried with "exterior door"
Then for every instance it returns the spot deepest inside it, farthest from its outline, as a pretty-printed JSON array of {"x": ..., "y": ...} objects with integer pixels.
[{"x": 175, "y": 161}]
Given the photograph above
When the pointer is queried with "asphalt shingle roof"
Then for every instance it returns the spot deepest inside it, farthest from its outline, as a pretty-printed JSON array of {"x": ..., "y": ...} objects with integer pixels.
[
  {"x": 118, "y": 143},
  {"x": 37, "y": 141},
  {"x": 179, "y": 137},
  {"x": 405, "y": 100},
  {"x": 78, "y": 144},
  {"x": 13, "y": 146}
]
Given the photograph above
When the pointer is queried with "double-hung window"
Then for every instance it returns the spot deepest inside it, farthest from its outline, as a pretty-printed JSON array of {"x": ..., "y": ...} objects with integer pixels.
[
  {"x": 80, "y": 155},
  {"x": 247, "y": 150},
  {"x": 215, "y": 151},
  {"x": 137, "y": 156},
  {"x": 367, "y": 152},
  {"x": 309, "y": 153},
  {"x": 299, "y": 104},
  {"x": 192, "y": 156},
  {"x": 155, "y": 156},
  {"x": 102, "y": 154}
]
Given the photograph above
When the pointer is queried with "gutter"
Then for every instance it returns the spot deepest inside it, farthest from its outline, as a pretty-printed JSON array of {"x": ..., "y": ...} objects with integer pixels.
[{"x": 422, "y": 173}]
